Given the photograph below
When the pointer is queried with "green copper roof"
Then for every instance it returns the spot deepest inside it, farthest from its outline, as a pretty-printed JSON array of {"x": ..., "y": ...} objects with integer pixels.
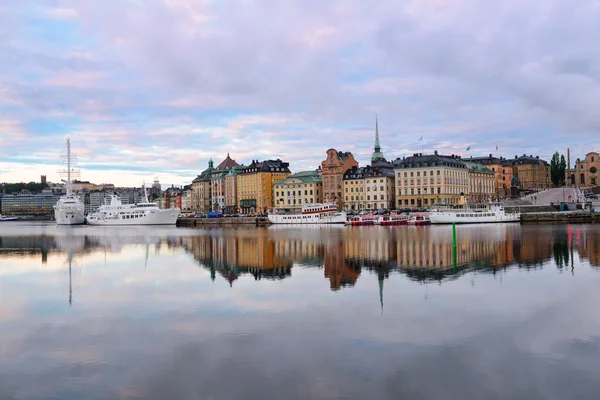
[
  {"x": 377, "y": 154},
  {"x": 476, "y": 166},
  {"x": 304, "y": 176}
]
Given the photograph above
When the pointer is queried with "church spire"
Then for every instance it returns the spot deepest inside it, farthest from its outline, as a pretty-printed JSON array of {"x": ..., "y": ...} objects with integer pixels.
[{"x": 377, "y": 154}]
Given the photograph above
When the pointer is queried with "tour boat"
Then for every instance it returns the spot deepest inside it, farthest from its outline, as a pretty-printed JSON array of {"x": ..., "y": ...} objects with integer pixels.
[
  {"x": 326, "y": 213},
  {"x": 69, "y": 209},
  {"x": 492, "y": 213},
  {"x": 4, "y": 218},
  {"x": 393, "y": 219},
  {"x": 420, "y": 220},
  {"x": 362, "y": 220},
  {"x": 113, "y": 212}
]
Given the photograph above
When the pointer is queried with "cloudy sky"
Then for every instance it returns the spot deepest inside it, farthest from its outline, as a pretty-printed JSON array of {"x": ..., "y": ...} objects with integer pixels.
[{"x": 150, "y": 88}]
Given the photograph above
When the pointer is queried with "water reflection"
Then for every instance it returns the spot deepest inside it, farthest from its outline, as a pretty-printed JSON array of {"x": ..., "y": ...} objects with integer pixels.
[{"x": 299, "y": 313}]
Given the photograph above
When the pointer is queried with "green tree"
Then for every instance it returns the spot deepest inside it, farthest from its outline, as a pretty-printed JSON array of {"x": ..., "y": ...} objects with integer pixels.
[
  {"x": 562, "y": 169},
  {"x": 555, "y": 169}
]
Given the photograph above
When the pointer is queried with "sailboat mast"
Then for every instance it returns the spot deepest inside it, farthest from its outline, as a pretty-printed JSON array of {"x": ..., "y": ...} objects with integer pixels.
[{"x": 68, "y": 167}]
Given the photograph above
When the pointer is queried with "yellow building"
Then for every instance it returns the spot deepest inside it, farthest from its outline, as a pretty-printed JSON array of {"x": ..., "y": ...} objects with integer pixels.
[
  {"x": 503, "y": 173},
  {"x": 231, "y": 200},
  {"x": 481, "y": 183},
  {"x": 255, "y": 184},
  {"x": 369, "y": 188},
  {"x": 425, "y": 180},
  {"x": 531, "y": 172},
  {"x": 585, "y": 172},
  {"x": 298, "y": 190}
]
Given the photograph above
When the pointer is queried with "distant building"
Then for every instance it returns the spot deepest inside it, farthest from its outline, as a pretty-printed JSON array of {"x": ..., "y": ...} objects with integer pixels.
[
  {"x": 585, "y": 172},
  {"x": 481, "y": 183},
  {"x": 503, "y": 173},
  {"x": 427, "y": 179},
  {"x": 298, "y": 190},
  {"x": 531, "y": 172},
  {"x": 255, "y": 184},
  {"x": 156, "y": 189},
  {"x": 218, "y": 183},
  {"x": 202, "y": 190},
  {"x": 231, "y": 200},
  {"x": 43, "y": 179},
  {"x": 332, "y": 172},
  {"x": 26, "y": 203},
  {"x": 369, "y": 188}
]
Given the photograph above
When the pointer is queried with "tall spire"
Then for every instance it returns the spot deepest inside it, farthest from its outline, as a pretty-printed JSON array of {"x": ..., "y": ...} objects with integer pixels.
[{"x": 377, "y": 154}]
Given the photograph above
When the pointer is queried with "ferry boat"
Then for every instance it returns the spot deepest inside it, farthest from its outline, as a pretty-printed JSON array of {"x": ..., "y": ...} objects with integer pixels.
[
  {"x": 420, "y": 220},
  {"x": 326, "y": 213},
  {"x": 69, "y": 209},
  {"x": 114, "y": 212},
  {"x": 492, "y": 213},
  {"x": 5, "y": 218},
  {"x": 393, "y": 219},
  {"x": 363, "y": 220}
]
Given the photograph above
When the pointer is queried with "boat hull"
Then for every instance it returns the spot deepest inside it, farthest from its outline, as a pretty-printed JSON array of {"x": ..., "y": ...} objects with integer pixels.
[
  {"x": 304, "y": 219},
  {"x": 69, "y": 217},
  {"x": 6, "y": 219},
  {"x": 444, "y": 218},
  {"x": 162, "y": 217}
]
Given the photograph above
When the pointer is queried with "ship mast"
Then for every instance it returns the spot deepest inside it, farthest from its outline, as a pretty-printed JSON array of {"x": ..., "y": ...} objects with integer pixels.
[{"x": 68, "y": 167}]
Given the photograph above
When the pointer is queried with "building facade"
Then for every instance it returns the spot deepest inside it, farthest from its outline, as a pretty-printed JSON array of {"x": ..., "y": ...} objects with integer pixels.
[
  {"x": 503, "y": 173},
  {"x": 531, "y": 172},
  {"x": 218, "y": 183},
  {"x": 481, "y": 183},
  {"x": 27, "y": 203},
  {"x": 425, "y": 180},
  {"x": 369, "y": 188},
  {"x": 332, "y": 173},
  {"x": 231, "y": 200},
  {"x": 202, "y": 190},
  {"x": 255, "y": 184},
  {"x": 298, "y": 190},
  {"x": 585, "y": 172}
]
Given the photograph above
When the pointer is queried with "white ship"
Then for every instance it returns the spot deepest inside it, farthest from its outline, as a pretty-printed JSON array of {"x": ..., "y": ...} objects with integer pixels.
[
  {"x": 69, "y": 209},
  {"x": 5, "y": 218},
  {"x": 311, "y": 214},
  {"x": 494, "y": 213},
  {"x": 113, "y": 212}
]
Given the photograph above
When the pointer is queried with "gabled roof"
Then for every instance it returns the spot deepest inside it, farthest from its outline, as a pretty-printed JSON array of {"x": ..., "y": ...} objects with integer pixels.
[
  {"x": 227, "y": 164},
  {"x": 266, "y": 166}
]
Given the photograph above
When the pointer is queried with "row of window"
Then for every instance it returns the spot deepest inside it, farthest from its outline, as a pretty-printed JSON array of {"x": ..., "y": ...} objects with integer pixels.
[
  {"x": 293, "y": 201},
  {"x": 293, "y": 193},
  {"x": 352, "y": 198}
]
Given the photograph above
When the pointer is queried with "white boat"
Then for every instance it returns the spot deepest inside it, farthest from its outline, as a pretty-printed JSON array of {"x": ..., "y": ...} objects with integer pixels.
[
  {"x": 113, "y": 212},
  {"x": 326, "y": 213},
  {"x": 5, "y": 218},
  {"x": 69, "y": 209},
  {"x": 492, "y": 213},
  {"x": 393, "y": 219}
]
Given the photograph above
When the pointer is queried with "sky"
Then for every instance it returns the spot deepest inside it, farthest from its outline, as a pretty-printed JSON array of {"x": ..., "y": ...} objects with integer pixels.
[{"x": 155, "y": 88}]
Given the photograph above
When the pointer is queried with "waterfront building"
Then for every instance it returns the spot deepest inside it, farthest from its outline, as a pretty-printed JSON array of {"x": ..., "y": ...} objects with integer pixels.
[
  {"x": 298, "y": 190},
  {"x": 255, "y": 184},
  {"x": 369, "y": 188},
  {"x": 186, "y": 199},
  {"x": 333, "y": 169},
  {"x": 201, "y": 190},
  {"x": 425, "y": 180},
  {"x": 531, "y": 172},
  {"x": 481, "y": 183},
  {"x": 156, "y": 189},
  {"x": 231, "y": 200},
  {"x": 585, "y": 172},
  {"x": 503, "y": 173},
  {"x": 27, "y": 203},
  {"x": 218, "y": 183}
]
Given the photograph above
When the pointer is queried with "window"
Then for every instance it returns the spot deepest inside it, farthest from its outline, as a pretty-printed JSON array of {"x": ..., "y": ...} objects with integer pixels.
[
  {"x": 412, "y": 173},
  {"x": 418, "y": 173},
  {"x": 405, "y": 174}
]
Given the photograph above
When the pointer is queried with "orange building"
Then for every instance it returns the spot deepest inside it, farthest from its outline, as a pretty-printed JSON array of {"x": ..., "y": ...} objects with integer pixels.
[{"x": 332, "y": 172}]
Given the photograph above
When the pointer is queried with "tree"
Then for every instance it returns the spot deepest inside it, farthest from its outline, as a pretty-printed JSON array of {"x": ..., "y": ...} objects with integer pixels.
[{"x": 555, "y": 169}]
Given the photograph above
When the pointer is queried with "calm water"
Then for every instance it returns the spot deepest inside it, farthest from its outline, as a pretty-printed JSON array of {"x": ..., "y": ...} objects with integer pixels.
[{"x": 299, "y": 313}]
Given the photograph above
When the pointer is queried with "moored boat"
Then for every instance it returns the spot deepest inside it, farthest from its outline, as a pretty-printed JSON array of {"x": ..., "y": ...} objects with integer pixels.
[
  {"x": 393, "y": 219},
  {"x": 69, "y": 210},
  {"x": 420, "y": 220},
  {"x": 7, "y": 218},
  {"x": 326, "y": 213},
  {"x": 362, "y": 220},
  {"x": 487, "y": 213},
  {"x": 114, "y": 212}
]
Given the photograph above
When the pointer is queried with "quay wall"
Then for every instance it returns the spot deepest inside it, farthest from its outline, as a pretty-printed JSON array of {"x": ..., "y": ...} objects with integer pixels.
[
  {"x": 258, "y": 221},
  {"x": 561, "y": 218}
]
